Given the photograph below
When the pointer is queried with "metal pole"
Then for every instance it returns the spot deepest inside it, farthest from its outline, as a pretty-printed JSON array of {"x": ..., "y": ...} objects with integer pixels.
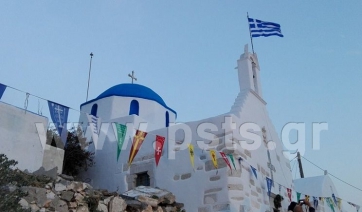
[
  {"x": 300, "y": 166},
  {"x": 90, "y": 68},
  {"x": 251, "y": 38}
]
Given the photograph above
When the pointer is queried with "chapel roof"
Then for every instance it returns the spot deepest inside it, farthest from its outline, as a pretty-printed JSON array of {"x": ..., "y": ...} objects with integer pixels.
[{"x": 132, "y": 90}]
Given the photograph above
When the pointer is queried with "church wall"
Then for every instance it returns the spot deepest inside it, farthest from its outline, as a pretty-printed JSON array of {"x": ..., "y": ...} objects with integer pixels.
[
  {"x": 19, "y": 138},
  {"x": 254, "y": 111}
]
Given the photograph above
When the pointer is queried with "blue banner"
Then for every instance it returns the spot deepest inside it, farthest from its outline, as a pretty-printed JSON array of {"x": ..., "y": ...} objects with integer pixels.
[
  {"x": 269, "y": 183},
  {"x": 334, "y": 199},
  {"x": 315, "y": 202},
  {"x": 2, "y": 89},
  {"x": 59, "y": 115},
  {"x": 254, "y": 171}
]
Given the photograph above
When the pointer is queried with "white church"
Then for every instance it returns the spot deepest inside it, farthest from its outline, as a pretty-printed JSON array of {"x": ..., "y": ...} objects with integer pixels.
[{"x": 245, "y": 133}]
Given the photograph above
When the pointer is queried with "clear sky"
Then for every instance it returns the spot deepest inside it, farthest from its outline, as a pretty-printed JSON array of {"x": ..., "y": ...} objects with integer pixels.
[{"x": 186, "y": 51}]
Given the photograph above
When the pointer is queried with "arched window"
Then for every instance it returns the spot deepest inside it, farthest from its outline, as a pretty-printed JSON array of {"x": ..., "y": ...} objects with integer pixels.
[
  {"x": 134, "y": 108},
  {"x": 167, "y": 119},
  {"x": 94, "y": 110}
]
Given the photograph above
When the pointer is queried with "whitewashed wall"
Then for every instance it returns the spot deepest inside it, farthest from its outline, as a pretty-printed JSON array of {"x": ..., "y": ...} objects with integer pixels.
[
  {"x": 114, "y": 107},
  {"x": 19, "y": 138}
]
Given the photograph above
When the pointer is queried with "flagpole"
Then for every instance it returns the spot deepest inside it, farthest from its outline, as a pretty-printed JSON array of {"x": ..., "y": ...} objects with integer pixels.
[
  {"x": 251, "y": 38},
  {"x": 90, "y": 68}
]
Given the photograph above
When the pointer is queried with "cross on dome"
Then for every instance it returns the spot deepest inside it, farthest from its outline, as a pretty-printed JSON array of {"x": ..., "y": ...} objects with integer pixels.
[{"x": 132, "y": 76}]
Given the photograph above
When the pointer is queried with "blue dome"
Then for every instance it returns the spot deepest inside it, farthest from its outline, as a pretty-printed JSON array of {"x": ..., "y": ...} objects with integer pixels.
[{"x": 131, "y": 90}]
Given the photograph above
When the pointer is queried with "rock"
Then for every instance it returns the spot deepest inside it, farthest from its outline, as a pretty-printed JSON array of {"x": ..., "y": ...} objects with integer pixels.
[
  {"x": 34, "y": 207},
  {"x": 60, "y": 187},
  {"x": 67, "y": 195},
  {"x": 83, "y": 209},
  {"x": 86, "y": 185},
  {"x": 135, "y": 204},
  {"x": 66, "y": 177},
  {"x": 50, "y": 195},
  {"x": 24, "y": 204},
  {"x": 79, "y": 198},
  {"x": 117, "y": 204},
  {"x": 148, "y": 209},
  {"x": 148, "y": 200},
  {"x": 159, "y": 209},
  {"x": 169, "y": 209},
  {"x": 35, "y": 195},
  {"x": 178, "y": 205},
  {"x": 108, "y": 194},
  {"x": 72, "y": 205},
  {"x": 168, "y": 199},
  {"x": 47, "y": 203},
  {"x": 49, "y": 186},
  {"x": 107, "y": 200},
  {"x": 102, "y": 207},
  {"x": 59, "y": 205},
  {"x": 75, "y": 186}
]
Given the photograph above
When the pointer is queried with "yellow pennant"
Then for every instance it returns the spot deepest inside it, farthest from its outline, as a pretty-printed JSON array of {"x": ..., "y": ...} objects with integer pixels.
[
  {"x": 321, "y": 199},
  {"x": 192, "y": 155},
  {"x": 339, "y": 201},
  {"x": 213, "y": 157}
]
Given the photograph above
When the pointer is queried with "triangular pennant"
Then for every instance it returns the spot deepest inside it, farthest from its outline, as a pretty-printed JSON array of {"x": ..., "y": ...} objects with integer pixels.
[
  {"x": 93, "y": 125},
  {"x": 334, "y": 199},
  {"x": 298, "y": 196},
  {"x": 213, "y": 158},
  {"x": 289, "y": 192},
  {"x": 2, "y": 89},
  {"x": 159, "y": 148},
  {"x": 254, "y": 171},
  {"x": 232, "y": 160},
  {"x": 330, "y": 203},
  {"x": 121, "y": 135},
  {"x": 322, "y": 200},
  {"x": 226, "y": 160},
  {"x": 192, "y": 155},
  {"x": 136, "y": 145},
  {"x": 269, "y": 183},
  {"x": 339, "y": 205},
  {"x": 315, "y": 202},
  {"x": 59, "y": 115}
]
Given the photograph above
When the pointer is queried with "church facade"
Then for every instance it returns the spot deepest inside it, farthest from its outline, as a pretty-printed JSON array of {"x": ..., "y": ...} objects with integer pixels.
[{"x": 245, "y": 134}]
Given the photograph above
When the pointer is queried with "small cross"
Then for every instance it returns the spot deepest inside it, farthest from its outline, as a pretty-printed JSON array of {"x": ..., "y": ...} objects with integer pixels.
[
  {"x": 158, "y": 150},
  {"x": 132, "y": 76},
  {"x": 59, "y": 110}
]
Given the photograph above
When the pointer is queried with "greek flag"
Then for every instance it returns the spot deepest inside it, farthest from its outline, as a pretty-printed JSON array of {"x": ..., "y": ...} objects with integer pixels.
[{"x": 263, "y": 28}]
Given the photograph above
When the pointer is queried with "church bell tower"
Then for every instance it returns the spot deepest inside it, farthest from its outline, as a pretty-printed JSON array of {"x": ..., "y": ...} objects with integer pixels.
[{"x": 248, "y": 71}]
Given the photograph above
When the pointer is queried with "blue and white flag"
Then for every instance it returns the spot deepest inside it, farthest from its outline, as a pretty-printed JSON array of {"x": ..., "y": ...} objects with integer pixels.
[
  {"x": 2, "y": 89},
  {"x": 269, "y": 183},
  {"x": 59, "y": 115},
  {"x": 334, "y": 199},
  {"x": 263, "y": 28},
  {"x": 94, "y": 125},
  {"x": 254, "y": 171},
  {"x": 315, "y": 202}
]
